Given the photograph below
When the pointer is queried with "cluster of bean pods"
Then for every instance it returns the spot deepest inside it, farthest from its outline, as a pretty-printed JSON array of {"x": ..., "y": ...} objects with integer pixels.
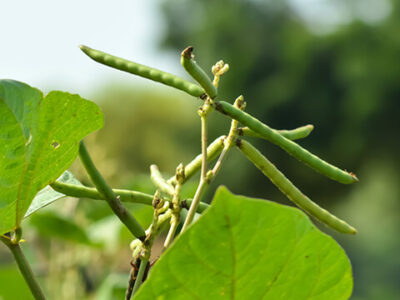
[{"x": 254, "y": 127}]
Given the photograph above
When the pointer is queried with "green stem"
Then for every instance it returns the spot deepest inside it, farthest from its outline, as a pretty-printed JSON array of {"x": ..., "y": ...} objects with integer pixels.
[
  {"x": 203, "y": 171},
  {"x": 171, "y": 233},
  {"x": 113, "y": 201},
  {"x": 196, "y": 201},
  {"x": 200, "y": 208},
  {"x": 143, "y": 71},
  {"x": 159, "y": 181},
  {"x": 176, "y": 207},
  {"x": 203, "y": 180},
  {"x": 294, "y": 134},
  {"x": 24, "y": 268},
  {"x": 80, "y": 191},
  {"x": 229, "y": 142},
  {"x": 289, "y": 146},
  {"x": 139, "y": 277},
  {"x": 290, "y": 190}
]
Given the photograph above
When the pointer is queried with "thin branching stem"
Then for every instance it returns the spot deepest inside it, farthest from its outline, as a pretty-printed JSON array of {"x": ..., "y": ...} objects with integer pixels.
[
  {"x": 203, "y": 172},
  {"x": 229, "y": 141},
  {"x": 203, "y": 175},
  {"x": 140, "y": 275},
  {"x": 171, "y": 232},
  {"x": 176, "y": 206}
]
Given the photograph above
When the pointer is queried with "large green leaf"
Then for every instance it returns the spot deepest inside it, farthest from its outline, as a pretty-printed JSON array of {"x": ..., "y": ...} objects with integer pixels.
[
  {"x": 243, "y": 248},
  {"x": 47, "y": 195},
  {"x": 39, "y": 139}
]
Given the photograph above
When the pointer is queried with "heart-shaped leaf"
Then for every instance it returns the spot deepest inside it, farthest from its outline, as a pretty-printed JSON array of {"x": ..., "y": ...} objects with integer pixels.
[
  {"x": 39, "y": 139},
  {"x": 243, "y": 248}
]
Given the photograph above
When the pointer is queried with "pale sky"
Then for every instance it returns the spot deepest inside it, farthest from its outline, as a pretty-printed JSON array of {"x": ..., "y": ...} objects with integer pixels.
[{"x": 39, "y": 41}]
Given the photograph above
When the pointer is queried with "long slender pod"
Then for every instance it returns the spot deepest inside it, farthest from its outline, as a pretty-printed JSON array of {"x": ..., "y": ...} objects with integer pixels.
[
  {"x": 194, "y": 70},
  {"x": 294, "y": 134},
  {"x": 143, "y": 71},
  {"x": 159, "y": 181},
  {"x": 213, "y": 150},
  {"x": 111, "y": 198},
  {"x": 289, "y": 146},
  {"x": 80, "y": 191},
  {"x": 291, "y": 191}
]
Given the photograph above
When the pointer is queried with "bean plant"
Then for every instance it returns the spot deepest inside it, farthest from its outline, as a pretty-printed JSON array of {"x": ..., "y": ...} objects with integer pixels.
[{"x": 238, "y": 248}]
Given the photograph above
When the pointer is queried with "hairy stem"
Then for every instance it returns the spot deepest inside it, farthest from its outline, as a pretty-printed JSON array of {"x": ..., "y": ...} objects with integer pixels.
[
  {"x": 112, "y": 199},
  {"x": 24, "y": 267}
]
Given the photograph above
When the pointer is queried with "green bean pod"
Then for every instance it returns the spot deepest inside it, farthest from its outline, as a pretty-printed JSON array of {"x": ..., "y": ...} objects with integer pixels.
[
  {"x": 294, "y": 134},
  {"x": 143, "y": 71},
  {"x": 213, "y": 150},
  {"x": 289, "y": 146},
  {"x": 159, "y": 181},
  {"x": 80, "y": 191},
  {"x": 291, "y": 191},
  {"x": 197, "y": 72}
]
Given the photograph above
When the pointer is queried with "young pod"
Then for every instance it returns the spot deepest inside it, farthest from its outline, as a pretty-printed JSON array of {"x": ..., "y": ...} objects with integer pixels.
[
  {"x": 289, "y": 146},
  {"x": 291, "y": 191},
  {"x": 194, "y": 70},
  {"x": 143, "y": 71}
]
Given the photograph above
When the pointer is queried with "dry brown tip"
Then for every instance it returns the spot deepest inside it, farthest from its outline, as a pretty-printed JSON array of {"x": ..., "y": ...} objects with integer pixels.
[{"x": 188, "y": 52}]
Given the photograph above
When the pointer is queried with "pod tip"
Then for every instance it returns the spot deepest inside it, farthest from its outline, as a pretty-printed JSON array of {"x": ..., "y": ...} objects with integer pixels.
[
  {"x": 354, "y": 176},
  {"x": 188, "y": 52}
]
